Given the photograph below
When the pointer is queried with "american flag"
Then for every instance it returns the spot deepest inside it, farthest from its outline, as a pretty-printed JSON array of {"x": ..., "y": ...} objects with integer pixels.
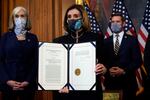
[
  {"x": 144, "y": 31},
  {"x": 95, "y": 27},
  {"x": 119, "y": 7},
  {"x": 145, "y": 27}
]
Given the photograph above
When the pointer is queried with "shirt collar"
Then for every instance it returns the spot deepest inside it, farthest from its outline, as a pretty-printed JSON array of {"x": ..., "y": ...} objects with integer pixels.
[
  {"x": 120, "y": 34},
  {"x": 120, "y": 37}
]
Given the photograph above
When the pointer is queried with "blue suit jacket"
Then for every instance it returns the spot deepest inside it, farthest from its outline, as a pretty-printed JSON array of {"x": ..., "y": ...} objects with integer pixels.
[
  {"x": 18, "y": 59},
  {"x": 128, "y": 58}
]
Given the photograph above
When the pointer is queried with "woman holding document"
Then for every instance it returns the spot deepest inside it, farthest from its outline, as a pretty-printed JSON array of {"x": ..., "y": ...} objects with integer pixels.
[
  {"x": 77, "y": 26},
  {"x": 18, "y": 58}
]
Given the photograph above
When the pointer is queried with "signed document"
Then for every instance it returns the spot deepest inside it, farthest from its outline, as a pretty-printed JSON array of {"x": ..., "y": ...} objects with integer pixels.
[{"x": 71, "y": 65}]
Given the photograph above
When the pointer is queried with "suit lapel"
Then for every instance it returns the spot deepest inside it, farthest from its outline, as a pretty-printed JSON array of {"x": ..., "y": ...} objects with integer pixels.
[
  {"x": 123, "y": 43},
  {"x": 111, "y": 44}
]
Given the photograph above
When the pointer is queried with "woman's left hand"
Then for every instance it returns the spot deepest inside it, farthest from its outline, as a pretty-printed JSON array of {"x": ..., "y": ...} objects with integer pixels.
[{"x": 24, "y": 84}]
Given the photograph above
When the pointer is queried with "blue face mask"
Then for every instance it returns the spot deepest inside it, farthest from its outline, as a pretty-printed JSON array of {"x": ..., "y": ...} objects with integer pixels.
[
  {"x": 75, "y": 25},
  {"x": 116, "y": 28},
  {"x": 20, "y": 24}
]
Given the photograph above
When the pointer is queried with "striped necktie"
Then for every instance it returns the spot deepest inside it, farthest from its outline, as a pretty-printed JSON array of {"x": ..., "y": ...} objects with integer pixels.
[{"x": 116, "y": 49}]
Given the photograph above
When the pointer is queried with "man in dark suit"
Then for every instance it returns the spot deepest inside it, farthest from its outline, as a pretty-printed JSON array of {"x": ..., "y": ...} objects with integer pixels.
[
  {"x": 122, "y": 58},
  {"x": 147, "y": 67}
]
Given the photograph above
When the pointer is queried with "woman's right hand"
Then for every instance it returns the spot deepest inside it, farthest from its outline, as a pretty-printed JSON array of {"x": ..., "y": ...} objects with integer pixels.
[
  {"x": 14, "y": 84},
  {"x": 64, "y": 90}
]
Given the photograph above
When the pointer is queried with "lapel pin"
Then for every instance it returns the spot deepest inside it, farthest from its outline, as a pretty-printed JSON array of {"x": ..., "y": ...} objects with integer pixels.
[{"x": 28, "y": 40}]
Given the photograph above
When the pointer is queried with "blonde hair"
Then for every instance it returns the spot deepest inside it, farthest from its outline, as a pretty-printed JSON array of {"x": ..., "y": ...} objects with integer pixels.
[{"x": 11, "y": 19}]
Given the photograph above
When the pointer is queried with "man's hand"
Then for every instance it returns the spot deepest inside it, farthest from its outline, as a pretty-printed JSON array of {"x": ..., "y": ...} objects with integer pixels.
[
  {"x": 116, "y": 71},
  {"x": 100, "y": 69}
]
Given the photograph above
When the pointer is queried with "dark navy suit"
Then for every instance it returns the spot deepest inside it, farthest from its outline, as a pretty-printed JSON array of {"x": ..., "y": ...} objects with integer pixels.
[
  {"x": 129, "y": 59},
  {"x": 18, "y": 60},
  {"x": 147, "y": 67}
]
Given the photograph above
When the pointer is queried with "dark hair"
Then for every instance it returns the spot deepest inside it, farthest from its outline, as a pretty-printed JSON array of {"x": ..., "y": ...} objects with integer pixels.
[
  {"x": 118, "y": 14},
  {"x": 80, "y": 8}
]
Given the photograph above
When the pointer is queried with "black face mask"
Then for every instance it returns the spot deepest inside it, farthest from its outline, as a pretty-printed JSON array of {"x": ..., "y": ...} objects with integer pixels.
[{"x": 75, "y": 25}]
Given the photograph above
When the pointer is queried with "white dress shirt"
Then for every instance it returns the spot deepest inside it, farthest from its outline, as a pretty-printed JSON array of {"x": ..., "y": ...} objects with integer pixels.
[{"x": 119, "y": 37}]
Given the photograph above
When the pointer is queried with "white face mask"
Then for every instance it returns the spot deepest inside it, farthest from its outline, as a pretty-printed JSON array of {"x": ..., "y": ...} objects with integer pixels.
[{"x": 20, "y": 24}]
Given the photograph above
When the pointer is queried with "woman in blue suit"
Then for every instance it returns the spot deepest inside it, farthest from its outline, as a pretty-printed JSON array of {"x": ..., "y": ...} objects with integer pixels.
[{"x": 18, "y": 58}]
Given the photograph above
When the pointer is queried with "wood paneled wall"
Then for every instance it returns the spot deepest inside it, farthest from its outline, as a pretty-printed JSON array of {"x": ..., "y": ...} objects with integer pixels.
[
  {"x": 45, "y": 15},
  {"x": 46, "y": 18}
]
